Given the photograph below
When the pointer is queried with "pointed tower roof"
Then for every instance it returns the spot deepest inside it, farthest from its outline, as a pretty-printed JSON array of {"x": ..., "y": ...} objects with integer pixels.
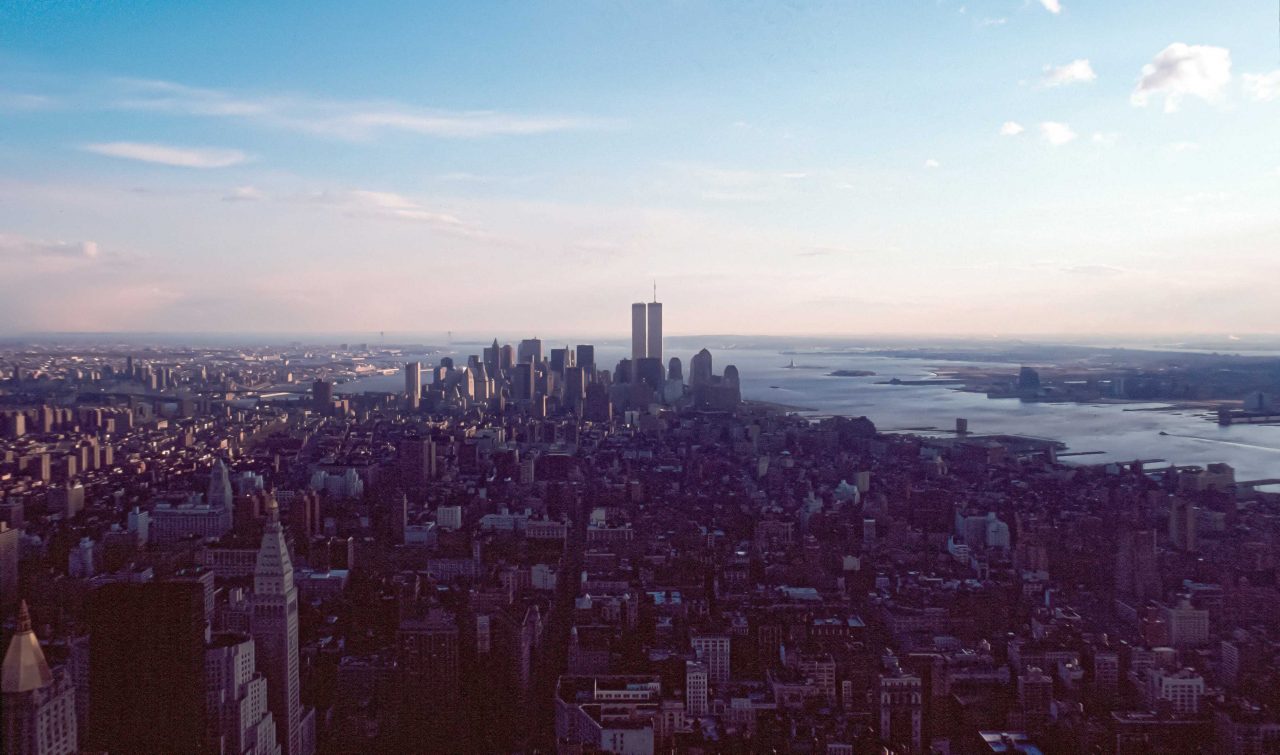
[{"x": 25, "y": 668}]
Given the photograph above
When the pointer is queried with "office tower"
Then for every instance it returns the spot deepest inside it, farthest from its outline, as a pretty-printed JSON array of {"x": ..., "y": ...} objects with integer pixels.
[
  {"x": 1035, "y": 697},
  {"x": 561, "y": 359},
  {"x": 275, "y": 631},
  {"x": 655, "y": 331},
  {"x": 1182, "y": 523},
  {"x": 304, "y": 514},
  {"x": 1185, "y": 625},
  {"x": 491, "y": 356},
  {"x": 713, "y": 650},
  {"x": 413, "y": 384},
  {"x": 639, "y": 339},
  {"x": 530, "y": 351},
  {"x": 506, "y": 357},
  {"x": 417, "y": 459},
  {"x": 575, "y": 388},
  {"x": 700, "y": 369},
  {"x": 484, "y": 386},
  {"x": 675, "y": 370},
  {"x": 1180, "y": 690},
  {"x": 622, "y": 372},
  {"x": 650, "y": 372},
  {"x": 1137, "y": 574},
  {"x": 17, "y": 425},
  {"x": 239, "y": 720},
  {"x": 146, "y": 668},
  {"x": 467, "y": 384},
  {"x": 8, "y": 566},
  {"x": 596, "y": 406},
  {"x": 522, "y": 389},
  {"x": 321, "y": 394},
  {"x": 427, "y": 647},
  {"x": 900, "y": 707},
  {"x": 695, "y": 688},
  {"x": 220, "y": 495},
  {"x": 585, "y": 357},
  {"x": 39, "y": 703}
]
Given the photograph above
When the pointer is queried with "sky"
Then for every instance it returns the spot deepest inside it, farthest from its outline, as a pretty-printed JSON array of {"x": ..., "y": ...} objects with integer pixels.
[{"x": 888, "y": 167}]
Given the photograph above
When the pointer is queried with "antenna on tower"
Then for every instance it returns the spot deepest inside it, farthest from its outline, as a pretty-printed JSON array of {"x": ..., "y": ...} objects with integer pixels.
[{"x": 655, "y": 291}]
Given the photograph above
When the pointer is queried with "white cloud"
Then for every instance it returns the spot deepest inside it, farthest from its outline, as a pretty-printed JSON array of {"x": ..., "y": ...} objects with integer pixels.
[
  {"x": 1180, "y": 70},
  {"x": 183, "y": 157},
  {"x": 25, "y": 101},
  {"x": 1184, "y": 146},
  {"x": 931, "y": 163},
  {"x": 244, "y": 194},
  {"x": 30, "y": 253},
  {"x": 1074, "y": 72},
  {"x": 1263, "y": 87},
  {"x": 339, "y": 119},
  {"x": 1056, "y": 134},
  {"x": 1011, "y": 128},
  {"x": 994, "y": 22},
  {"x": 1105, "y": 139},
  {"x": 385, "y": 204},
  {"x": 1053, "y": 6}
]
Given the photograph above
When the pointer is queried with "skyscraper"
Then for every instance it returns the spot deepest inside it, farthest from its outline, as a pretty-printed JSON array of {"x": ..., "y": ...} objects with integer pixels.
[
  {"x": 413, "y": 384},
  {"x": 655, "y": 330},
  {"x": 146, "y": 668},
  {"x": 575, "y": 388},
  {"x": 491, "y": 355},
  {"x": 586, "y": 358},
  {"x": 322, "y": 394},
  {"x": 8, "y": 566},
  {"x": 530, "y": 351},
  {"x": 639, "y": 342},
  {"x": 237, "y": 698},
  {"x": 220, "y": 493},
  {"x": 275, "y": 632},
  {"x": 39, "y": 704}
]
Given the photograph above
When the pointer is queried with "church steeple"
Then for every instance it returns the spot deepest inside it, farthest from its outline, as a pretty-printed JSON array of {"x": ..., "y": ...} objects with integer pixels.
[{"x": 25, "y": 668}]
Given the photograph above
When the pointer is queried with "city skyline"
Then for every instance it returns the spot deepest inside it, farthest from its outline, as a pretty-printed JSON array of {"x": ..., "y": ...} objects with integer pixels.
[{"x": 928, "y": 168}]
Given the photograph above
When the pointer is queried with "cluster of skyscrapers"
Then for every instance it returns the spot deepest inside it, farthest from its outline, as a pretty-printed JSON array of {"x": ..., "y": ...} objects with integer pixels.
[{"x": 522, "y": 378}]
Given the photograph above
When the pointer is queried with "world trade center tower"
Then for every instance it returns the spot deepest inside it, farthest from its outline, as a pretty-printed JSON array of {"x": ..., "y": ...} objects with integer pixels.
[
  {"x": 655, "y": 331},
  {"x": 639, "y": 344}
]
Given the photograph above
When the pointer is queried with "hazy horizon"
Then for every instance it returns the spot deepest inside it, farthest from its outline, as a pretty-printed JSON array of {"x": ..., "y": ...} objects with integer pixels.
[{"x": 992, "y": 166}]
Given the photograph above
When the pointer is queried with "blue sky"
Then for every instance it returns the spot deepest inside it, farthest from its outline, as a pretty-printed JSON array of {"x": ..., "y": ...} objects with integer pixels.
[{"x": 931, "y": 166}]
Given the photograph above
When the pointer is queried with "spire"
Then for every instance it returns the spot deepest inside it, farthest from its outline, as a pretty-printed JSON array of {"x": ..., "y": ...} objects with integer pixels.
[
  {"x": 24, "y": 618},
  {"x": 655, "y": 290},
  {"x": 25, "y": 668}
]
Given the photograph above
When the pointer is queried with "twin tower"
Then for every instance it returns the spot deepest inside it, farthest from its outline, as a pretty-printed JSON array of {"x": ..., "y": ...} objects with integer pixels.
[{"x": 646, "y": 331}]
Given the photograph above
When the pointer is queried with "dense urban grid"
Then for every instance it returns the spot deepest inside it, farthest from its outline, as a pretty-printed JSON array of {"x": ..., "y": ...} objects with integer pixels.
[{"x": 212, "y": 551}]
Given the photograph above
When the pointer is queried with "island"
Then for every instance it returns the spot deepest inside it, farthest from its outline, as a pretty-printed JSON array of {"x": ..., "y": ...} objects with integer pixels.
[{"x": 851, "y": 373}]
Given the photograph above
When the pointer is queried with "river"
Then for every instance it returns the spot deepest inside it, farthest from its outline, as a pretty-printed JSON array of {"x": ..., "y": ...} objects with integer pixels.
[{"x": 1120, "y": 432}]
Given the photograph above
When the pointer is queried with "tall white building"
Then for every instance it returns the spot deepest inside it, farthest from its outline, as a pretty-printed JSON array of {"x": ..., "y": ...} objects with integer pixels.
[
  {"x": 713, "y": 650},
  {"x": 219, "y": 495},
  {"x": 39, "y": 704},
  {"x": 239, "y": 721},
  {"x": 655, "y": 330},
  {"x": 275, "y": 631},
  {"x": 639, "y": 342}
]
